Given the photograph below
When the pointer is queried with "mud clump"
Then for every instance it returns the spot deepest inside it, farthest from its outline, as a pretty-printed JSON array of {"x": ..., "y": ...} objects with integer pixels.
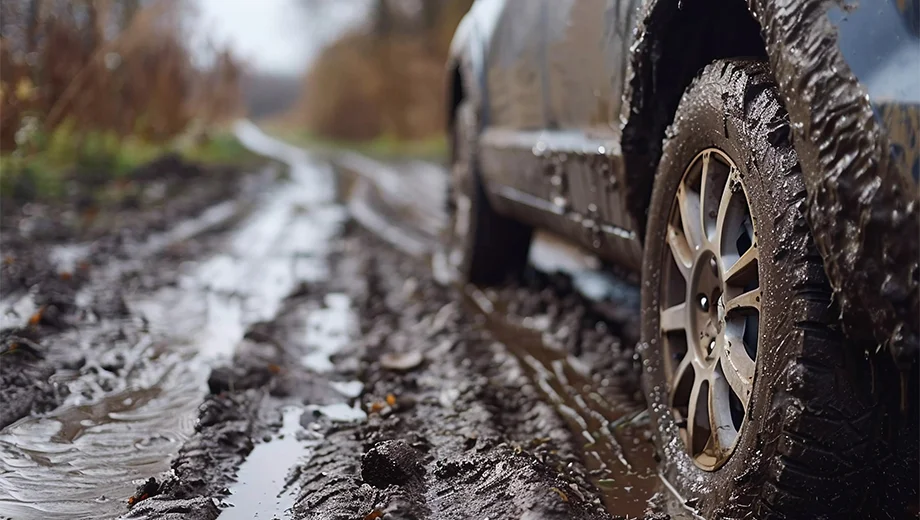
[
  {"x": 391, "y": 463},
  {"x": 149, "y": 489}
]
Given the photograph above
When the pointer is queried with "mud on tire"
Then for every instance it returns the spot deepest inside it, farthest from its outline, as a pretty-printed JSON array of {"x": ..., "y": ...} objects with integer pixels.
[
  {"x": 482, "y": 246},
  {"x": 809, "y": 436}
]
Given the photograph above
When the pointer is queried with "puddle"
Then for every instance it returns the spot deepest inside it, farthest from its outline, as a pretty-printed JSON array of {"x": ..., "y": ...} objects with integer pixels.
[
  {"x": 66, "y": 257},
  {"x": 550, "y": 254},
  {"x": 339, "y": 412},
  {"x": 266, "y": 470},
  {"x": 255, "y": 494},
  {"x": 615, "y": 451},
  {"x": 328, "y": 330},
  {"x": 84, "y": 459}
]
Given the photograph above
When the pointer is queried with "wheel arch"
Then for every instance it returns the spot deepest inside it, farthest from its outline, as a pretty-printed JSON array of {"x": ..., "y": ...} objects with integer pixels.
[{"x": 676, "y": 40}]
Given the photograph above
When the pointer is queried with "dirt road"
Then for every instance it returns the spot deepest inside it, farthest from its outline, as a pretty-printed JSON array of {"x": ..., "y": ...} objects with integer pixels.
[{"x": 290, "y": 347}]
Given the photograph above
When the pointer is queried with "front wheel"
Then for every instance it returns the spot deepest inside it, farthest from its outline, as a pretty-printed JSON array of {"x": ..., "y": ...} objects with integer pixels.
[{"x": 760, "y": 409}]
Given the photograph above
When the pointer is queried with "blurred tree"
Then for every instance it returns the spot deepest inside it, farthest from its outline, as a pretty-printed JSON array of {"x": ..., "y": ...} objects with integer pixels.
[
  {"x": 121, "y": 67},
  {"x": 385, "y": 79}
]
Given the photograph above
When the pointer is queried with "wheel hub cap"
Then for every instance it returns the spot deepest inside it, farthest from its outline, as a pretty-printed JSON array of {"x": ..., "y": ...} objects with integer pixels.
[{"x": 710, "y": 308}]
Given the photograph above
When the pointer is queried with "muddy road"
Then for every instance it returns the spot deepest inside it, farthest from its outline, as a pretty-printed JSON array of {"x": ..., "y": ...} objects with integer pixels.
[{"x": 290, "y": 346}]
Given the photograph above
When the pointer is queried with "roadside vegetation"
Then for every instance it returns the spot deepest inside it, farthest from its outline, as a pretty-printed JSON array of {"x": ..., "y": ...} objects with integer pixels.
[
  {"x": 92, "y": 89},
  {"x": 380, "y": 87}
]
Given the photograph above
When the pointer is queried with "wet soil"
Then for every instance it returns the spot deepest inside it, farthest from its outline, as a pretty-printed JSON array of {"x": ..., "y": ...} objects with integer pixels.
[
  {"x": 450, "y": 422},
  {"x": 275, "y": 359},
  {"x": 50, "y": 250}
]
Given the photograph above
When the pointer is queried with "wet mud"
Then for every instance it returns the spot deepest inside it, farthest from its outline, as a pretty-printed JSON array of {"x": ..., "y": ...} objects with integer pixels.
[
  {"x": 50, "y": 252},
  {"x": 273, "y": 359}
]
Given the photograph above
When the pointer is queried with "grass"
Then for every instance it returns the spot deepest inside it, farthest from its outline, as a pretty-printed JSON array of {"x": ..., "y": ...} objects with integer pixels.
[
  {"x": 222, "y": 148},
  {"x": 383, "y": 147},
  {"x": 96, "y": 158}
]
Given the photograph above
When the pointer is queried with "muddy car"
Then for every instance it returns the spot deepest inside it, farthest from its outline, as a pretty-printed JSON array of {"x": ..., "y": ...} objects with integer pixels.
[{"x": 755, "y": 164}]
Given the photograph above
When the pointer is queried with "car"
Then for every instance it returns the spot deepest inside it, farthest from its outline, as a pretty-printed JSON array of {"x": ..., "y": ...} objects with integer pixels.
[{"x": 756, "y": 163}]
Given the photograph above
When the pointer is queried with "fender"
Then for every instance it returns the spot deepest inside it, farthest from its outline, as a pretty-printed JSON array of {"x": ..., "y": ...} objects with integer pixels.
[{"x": 861, "y": 205}]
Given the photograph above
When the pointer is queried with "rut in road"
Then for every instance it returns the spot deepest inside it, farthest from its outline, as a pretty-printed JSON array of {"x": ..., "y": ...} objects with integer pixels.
[
  {"x": 134, "y": 401},
  {"x": 458, "y": 424}
]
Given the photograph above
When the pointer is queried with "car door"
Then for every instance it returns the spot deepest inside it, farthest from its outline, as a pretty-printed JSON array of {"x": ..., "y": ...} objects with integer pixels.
[
  {"x": 587, "y": 49},
  {"x": 515, "y": 109}
]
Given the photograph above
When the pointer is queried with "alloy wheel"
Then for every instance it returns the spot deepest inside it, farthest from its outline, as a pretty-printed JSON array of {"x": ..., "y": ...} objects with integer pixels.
[{"x": 710, "y": 307}]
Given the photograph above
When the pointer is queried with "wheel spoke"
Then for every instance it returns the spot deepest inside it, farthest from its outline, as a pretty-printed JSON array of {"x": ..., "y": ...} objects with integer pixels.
[
  {"x": 674, "y": 318},
  {"x": 720, "y": 426},
  {"x": 746, "y": 300},
  {"x": 738, "y": 273},
  {"x": 685, "y": 364},
  {"x": 689, "y": 205},
  {"x": 704, "y": 180},
  {"x": 680, "y": 250},
  {"x": 698, "y": 414},
  {"x": 738, "y": 368},
  {"x": 725, "y": 206}
]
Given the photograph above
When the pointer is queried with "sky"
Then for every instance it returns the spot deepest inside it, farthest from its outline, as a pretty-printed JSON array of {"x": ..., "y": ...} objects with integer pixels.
[{"x": 278, "y": 36}]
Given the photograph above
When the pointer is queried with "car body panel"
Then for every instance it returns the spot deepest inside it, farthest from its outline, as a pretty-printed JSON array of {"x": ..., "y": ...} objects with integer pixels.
[
  {"x": 515, "y": 76},
  {"x": 553, "y": 122}
]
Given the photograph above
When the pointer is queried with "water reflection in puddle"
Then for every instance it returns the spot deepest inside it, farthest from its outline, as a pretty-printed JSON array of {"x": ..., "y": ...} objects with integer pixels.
[
  {"x": 256, "y": 493},
  {"x": 328, "y": 330}
]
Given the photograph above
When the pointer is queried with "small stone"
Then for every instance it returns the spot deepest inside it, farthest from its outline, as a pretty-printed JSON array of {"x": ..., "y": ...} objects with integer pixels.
[{"x": 401, "y": 362}]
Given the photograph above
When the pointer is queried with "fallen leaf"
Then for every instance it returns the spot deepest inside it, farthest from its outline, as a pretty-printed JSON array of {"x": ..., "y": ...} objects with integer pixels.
[
  {"x": 376, "y": 407},
  {"x": 37, "y": 317},
  {"x": 374, "y": 515},
  {"x": 391, "y": 399}
]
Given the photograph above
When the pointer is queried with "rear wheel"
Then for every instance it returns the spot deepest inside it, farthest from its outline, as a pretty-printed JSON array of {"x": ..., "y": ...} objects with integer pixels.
[
  {"x": 760, "y": 410},
  {"x": 481, "y": 245}
]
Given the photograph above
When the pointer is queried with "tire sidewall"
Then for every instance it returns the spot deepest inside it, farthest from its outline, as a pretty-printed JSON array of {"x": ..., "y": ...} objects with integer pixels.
[{"x": 712, "y": 114}]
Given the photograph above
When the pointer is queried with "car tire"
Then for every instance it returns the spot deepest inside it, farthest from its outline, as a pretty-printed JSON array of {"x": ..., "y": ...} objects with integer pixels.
[
  {"x": 802, "y": 444},
  {"x": 483, "y": 247}
]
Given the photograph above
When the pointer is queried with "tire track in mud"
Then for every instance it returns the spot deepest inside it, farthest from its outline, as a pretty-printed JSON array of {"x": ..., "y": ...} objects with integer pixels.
[
  {"x": 134, "y": 397},
  {"x": 464, "y": 417},
  {"x": 572, "y": 334}
]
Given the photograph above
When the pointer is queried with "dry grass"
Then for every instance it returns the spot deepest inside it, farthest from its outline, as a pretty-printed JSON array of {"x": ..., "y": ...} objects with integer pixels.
[{"x": 115, "y": 67}]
